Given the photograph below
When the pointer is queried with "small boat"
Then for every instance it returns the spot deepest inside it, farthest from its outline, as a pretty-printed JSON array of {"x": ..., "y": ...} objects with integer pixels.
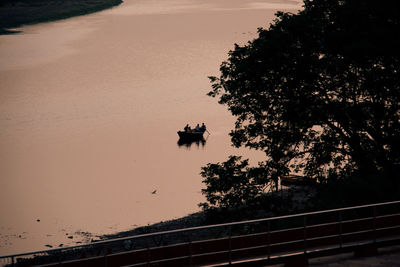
[{"x": 191, "y": 135}]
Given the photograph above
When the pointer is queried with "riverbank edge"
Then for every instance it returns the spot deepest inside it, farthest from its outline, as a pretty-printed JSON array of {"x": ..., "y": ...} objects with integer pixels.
[
  {"x": 191, "y": 220},
  {"x": 296, "y": 196},
  {"x": 15, "y": 14}
]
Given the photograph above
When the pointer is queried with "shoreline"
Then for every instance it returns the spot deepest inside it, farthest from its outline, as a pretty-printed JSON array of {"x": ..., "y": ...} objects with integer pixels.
[
  {"x": 298, "y": 195},
  {"x": 190, "y": 220},
  {"x": 16, "y": 13}
]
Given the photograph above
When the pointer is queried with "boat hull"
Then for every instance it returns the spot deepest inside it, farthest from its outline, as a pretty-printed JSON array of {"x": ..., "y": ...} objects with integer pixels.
[{"x": 190, "y": 135}]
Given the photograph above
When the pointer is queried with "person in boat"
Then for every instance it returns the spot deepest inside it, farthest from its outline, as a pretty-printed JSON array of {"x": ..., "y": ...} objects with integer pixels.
[
  {"x": 197, "y": 129},
  {"x": 187, "y": 128},
  {"x": 203, "y": 127}
]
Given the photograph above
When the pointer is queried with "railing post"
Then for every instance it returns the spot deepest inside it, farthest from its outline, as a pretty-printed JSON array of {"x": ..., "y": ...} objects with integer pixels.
[
  {"x": 374, "y": 211},
  {"x": 269, "y": 238},
  {"x": 190, "y": 250},
  {"x": 148, "y": 255},
  {"x": 340, "y": 229},
  {"x": 305, "y": 233},
  {"x": 230, "y": 244},
  {"x": 12, "y": 261},
  {"x": 108, "y": 251}
]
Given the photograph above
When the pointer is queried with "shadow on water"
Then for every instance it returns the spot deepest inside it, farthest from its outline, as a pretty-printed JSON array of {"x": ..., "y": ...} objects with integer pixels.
[{"x": 187, "y": 143}]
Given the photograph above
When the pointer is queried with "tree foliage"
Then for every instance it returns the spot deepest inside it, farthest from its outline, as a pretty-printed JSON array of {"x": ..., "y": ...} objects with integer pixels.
[
  {"x": 232, "y": 184},
  {"x": 318, "y": 91}
]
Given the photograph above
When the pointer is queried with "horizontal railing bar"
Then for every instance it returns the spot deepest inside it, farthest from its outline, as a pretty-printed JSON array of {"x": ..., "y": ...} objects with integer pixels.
[
  {"x": 331, "y": 223},
  {"x": 273, "y": 255},
  {"x": 214, "y": 239},
  {"x": 312, "y": 253},
  {"x": 286, "y": 242},
  {"x": 317, "y": 238},
  {"x": 133, "y": 265},
  {"x": 285, "y": 230},
  {"x": 358, "y": 220},
  {"x": 325, "y": 248},
  {"x": 249, "y": 248},
  {"x": 387, "y": 238},
  {"x": 364, "y": 241},
  {"x": 387, "y": 228},
  {"x": 197, "y": 228},
  {"x": 387, "y": 215},
  {"x": 358, "y": 232},
  {"x": 359, "y": 242},
  {"x": 321, "y": 224},
  {"x": 210, "y": 253},
  {"x": 321, "y": 237},
  {"x": 295, "y": 215},
  {"x": 341, "y": 222},
  {"x": 270, "y": 245},
  {"x": 168, "y": 259}
]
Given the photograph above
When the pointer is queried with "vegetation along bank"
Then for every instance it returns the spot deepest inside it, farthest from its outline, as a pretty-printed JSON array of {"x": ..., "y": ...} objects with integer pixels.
[
  {"x": 15, "y": 13},
  {"x": 318, "y": 92}
]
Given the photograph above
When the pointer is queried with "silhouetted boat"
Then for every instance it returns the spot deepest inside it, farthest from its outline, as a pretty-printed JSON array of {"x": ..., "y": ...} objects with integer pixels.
[{"x": 191, "y": 135}]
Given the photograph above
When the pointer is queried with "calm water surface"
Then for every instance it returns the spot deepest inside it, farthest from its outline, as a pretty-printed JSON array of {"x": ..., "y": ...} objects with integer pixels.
[{"x": 89, "y": 109}]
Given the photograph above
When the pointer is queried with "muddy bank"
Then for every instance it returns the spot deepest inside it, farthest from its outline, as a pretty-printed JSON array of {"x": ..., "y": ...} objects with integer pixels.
[{"x": 15, "y": 13}]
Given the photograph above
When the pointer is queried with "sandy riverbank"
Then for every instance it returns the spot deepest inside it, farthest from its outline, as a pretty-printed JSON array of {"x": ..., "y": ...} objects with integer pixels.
[{"x": 15, "y": 13}]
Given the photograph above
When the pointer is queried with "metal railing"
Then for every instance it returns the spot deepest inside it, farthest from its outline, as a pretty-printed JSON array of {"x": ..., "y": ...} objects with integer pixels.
[{"x": 269, "y": 239}]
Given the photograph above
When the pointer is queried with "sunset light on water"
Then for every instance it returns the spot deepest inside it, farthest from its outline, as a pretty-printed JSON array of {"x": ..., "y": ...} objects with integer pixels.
[{"x": 89, "y": 113}]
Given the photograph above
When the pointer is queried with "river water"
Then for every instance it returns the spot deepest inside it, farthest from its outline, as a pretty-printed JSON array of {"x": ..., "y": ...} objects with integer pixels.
[{"x": 89, "y": 109}]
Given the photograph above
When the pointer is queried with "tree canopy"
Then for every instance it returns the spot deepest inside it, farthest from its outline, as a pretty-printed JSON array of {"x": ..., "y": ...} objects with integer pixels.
[{"x": 318, "y": 91}]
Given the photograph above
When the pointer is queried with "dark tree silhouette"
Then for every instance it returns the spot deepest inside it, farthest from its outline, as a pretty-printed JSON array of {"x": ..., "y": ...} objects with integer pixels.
[
  {"x": 232, "y": 184},
  {"x": 318, "y": 92}
]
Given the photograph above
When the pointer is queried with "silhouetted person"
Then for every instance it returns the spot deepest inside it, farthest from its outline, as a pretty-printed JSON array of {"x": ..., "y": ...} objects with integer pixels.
[
  {"x": 203, "y": 127},
  {"x": 197, "y": 129},
  {"x": 187, "y": 128}
]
